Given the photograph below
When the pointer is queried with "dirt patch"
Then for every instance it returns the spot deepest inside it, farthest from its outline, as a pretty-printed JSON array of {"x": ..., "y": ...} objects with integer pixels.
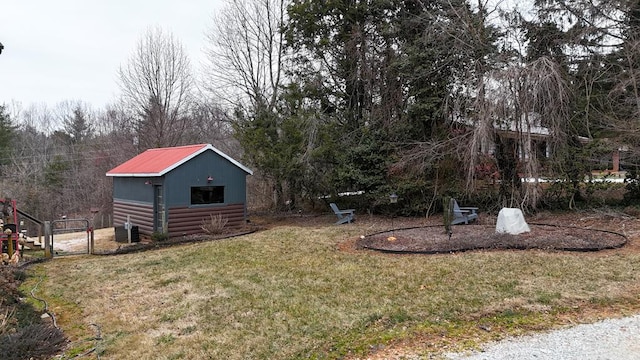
[
  {"x": 434, "y": 239},
  {"x": 77, "y": 242},
  {"x": 105, "y": 244}
]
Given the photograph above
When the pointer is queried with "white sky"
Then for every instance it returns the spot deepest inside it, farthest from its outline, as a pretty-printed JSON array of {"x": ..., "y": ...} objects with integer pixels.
[{"x": 57, "y": 50}]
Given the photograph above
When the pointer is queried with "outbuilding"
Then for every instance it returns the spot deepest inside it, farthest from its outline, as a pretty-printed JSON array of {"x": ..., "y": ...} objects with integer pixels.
[{"x": 173, "y": 190}]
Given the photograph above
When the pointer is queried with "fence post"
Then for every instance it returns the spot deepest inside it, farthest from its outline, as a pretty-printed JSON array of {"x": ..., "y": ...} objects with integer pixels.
[
  {"x": 129, "y": 228},
  {"x": 93, "y": 243},
  {"x": 48, "y": 253}
]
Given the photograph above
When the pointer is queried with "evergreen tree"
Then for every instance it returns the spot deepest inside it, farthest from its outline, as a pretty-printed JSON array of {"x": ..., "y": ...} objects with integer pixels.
[
  {"x": 381, "y": 74},
  {"x": 7, "y": 134},
  {"x": 78, "y": 126},
  {"x": 344, "y": 54}
]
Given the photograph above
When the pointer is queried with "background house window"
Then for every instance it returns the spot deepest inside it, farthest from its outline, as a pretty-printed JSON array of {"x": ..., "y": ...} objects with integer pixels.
[
  {"x": 541, "y": 149},
  {"x": 207, "y": 195}
]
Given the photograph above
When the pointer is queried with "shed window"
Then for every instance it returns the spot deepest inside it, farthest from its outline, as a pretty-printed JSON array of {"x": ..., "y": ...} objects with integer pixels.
[{"x": 207, "y": 195}]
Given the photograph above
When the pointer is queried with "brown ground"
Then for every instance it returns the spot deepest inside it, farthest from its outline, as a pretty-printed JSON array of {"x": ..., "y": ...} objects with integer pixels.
[
  {"x": 569, "y": 231},
  {"x": 573, "y": 231},
  {"x": 434, "y": 239}
]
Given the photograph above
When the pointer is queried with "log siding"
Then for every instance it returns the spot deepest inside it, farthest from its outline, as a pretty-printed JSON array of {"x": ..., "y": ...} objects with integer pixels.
[
  {"x": 185, "y": 220},
  {"x": 141, "y": 215}
]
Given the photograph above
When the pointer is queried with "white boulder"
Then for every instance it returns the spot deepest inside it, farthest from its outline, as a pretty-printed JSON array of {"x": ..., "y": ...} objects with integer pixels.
[{"x": 511, "y": 221}]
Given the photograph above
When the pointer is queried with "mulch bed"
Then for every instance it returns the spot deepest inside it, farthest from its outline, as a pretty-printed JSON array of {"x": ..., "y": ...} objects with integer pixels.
[{"x": 434, "y": 239}]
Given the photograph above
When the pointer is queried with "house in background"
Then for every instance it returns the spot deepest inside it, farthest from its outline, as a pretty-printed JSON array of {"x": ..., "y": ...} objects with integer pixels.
[
  {"x": 530, "y": 138},
  {"x": 172, "y": 190}
]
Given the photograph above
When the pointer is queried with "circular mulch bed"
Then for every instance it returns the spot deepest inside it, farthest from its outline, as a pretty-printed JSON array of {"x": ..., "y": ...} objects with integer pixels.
[{"x": 434, "y": 239}]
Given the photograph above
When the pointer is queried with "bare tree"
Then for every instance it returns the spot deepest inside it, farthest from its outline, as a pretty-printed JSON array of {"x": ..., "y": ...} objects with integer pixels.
[
  {"x": 211, "y": 125},
  {"x": 246, "y": 53},
  {"x": 526, "y": 100},
  {"x": 508, "y": 103},
  {"x": 246, "y": 56},
  {"x": 114, "y": 124},
  {"x": 156, "y": 87},
  {"x": 31, "y": 154},
  {"x": 603, "y": 39}
]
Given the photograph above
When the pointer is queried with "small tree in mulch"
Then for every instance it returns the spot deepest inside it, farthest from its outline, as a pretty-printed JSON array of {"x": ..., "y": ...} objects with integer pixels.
[{"x": 447, "y": 206}]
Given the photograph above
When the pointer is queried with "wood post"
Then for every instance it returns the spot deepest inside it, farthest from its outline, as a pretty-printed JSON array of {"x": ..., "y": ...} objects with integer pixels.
[{"x": 48, "y": 251}]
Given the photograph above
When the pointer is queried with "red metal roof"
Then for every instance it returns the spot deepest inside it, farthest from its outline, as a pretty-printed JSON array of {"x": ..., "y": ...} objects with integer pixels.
[{"x": 157, "y": 162}]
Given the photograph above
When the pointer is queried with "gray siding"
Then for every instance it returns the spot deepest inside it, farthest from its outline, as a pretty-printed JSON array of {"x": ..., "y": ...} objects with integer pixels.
[
  {"x": 133, "y": 189},
  {"x": 140, "y": 214},
  {"x": 179, "y": 181}
]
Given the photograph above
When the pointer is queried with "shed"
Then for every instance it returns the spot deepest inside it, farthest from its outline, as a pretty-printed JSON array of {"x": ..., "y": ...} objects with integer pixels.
[{"x": 172, "y": 190}]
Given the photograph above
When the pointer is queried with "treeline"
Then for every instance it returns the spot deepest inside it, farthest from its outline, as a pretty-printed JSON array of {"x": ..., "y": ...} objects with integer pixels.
[
  {"x": 431, "y": 98},
  {"x": 418, "y": 98},
  {"x": 53, "y": 161}
]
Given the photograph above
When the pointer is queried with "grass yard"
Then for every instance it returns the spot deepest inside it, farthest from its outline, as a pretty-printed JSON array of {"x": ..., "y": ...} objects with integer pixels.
[{"x": 292, "y": 292}]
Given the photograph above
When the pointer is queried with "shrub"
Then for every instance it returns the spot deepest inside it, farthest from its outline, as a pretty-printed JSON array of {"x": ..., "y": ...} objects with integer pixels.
[
  {"x": 632, "y": 210},
  {"x": 215, "y": 224},
  {"x": 632, "y": 187},
  {"x": 37, "y": 341},
  {"x": 159, "y": 236},
  {"x": 23, "y": 335}
]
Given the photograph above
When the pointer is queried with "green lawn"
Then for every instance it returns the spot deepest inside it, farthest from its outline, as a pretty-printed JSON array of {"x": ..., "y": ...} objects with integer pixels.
[{"x": 289, "y": 292}]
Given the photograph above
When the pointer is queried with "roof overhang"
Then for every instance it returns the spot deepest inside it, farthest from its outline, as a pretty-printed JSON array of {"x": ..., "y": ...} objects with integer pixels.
[{"x": 184, "y": 160}]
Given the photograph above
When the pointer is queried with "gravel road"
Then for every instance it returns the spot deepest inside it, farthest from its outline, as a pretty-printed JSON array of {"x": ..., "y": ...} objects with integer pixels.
[{"x": 617, "y": 339}]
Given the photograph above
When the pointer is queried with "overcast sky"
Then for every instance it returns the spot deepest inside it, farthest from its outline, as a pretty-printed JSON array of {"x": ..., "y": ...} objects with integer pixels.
[{"x": 56, "y": 50}]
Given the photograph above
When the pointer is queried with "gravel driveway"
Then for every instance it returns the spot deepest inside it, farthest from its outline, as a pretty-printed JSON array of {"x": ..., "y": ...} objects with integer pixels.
[{"x": 617, "y": 339}]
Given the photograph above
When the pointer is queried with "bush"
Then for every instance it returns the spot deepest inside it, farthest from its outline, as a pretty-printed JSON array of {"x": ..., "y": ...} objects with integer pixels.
[
  {"x": 159, "y": 236},
  {"x": 215, "y": 224},
  {"x": 37, "y": 341},
  {"x": 23, "y": 335},
  {"x": 632, "y": 187},
  {"x": 632, "y": 210}
]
